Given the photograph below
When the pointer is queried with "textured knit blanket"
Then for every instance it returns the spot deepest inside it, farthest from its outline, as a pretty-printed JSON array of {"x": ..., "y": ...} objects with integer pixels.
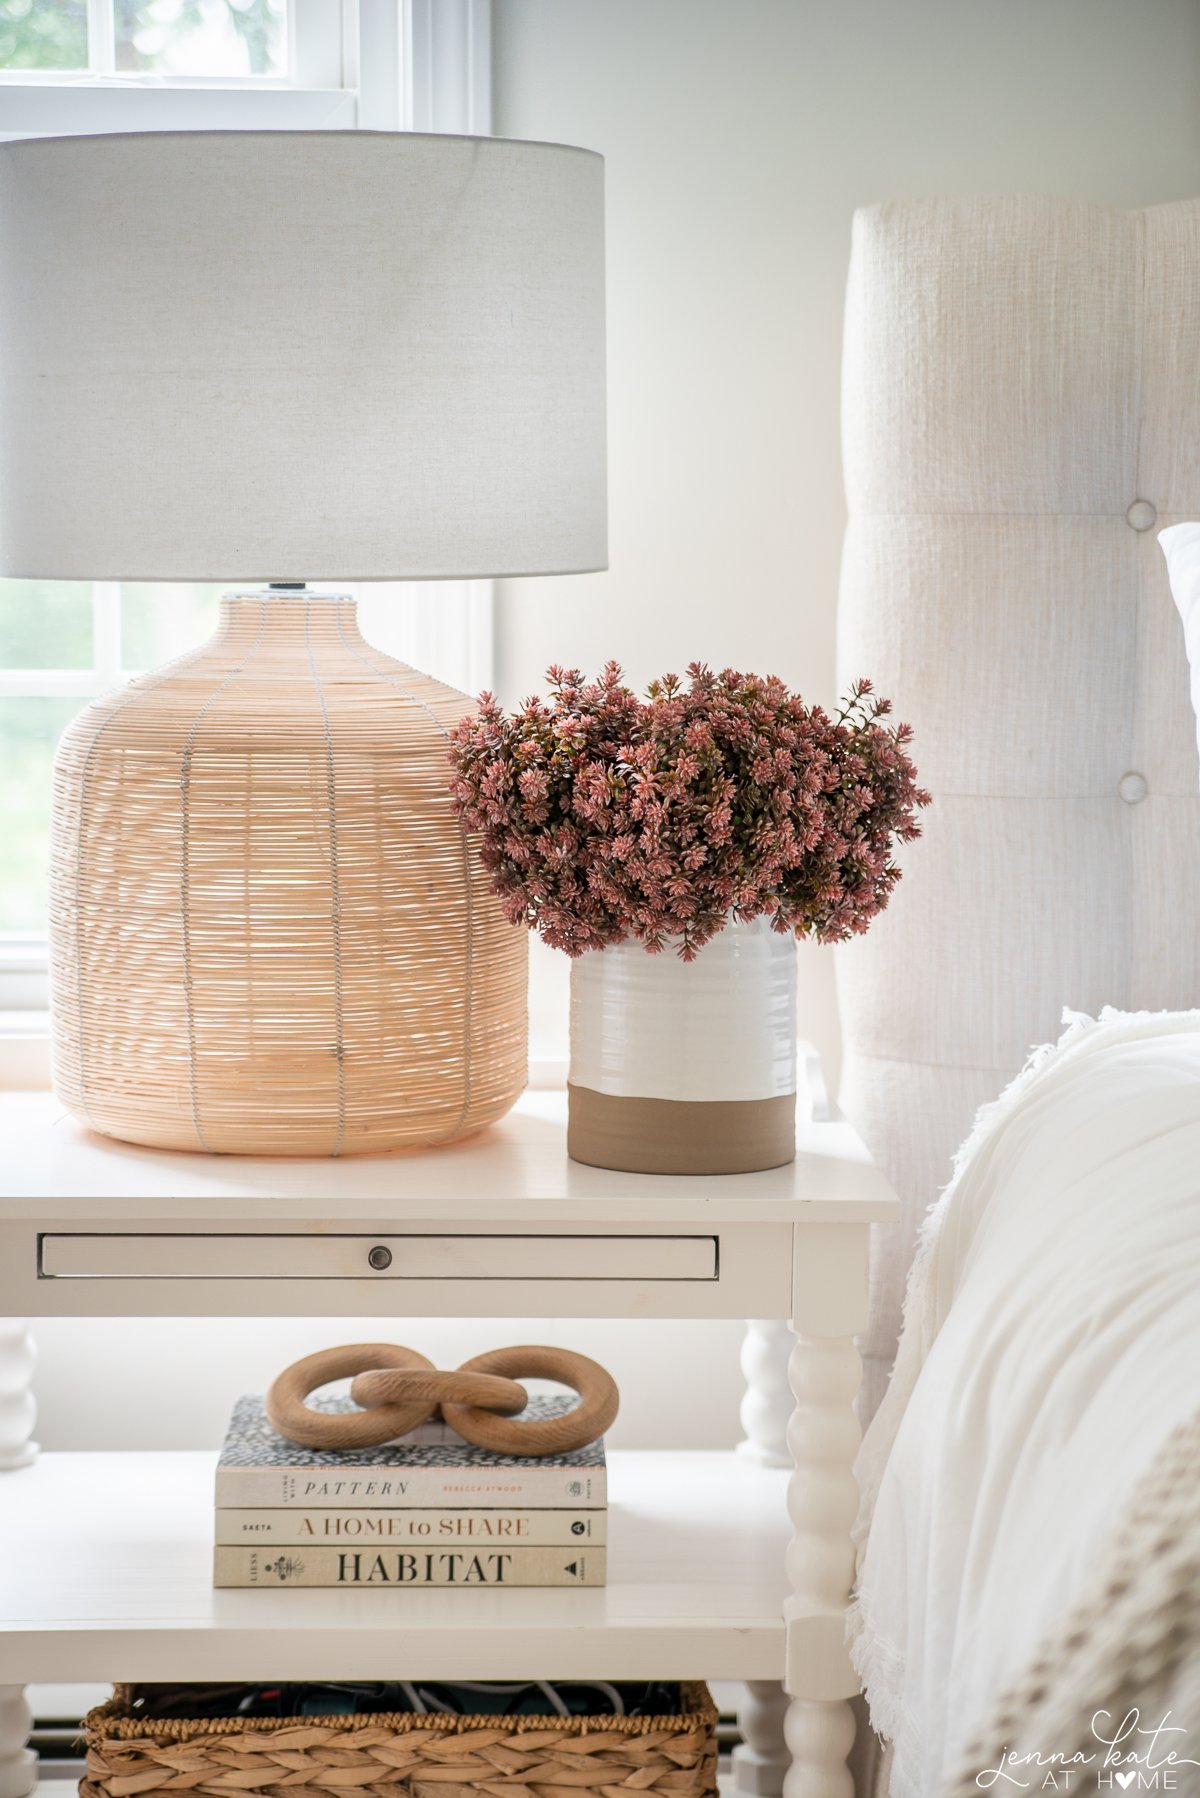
[
  {"x": 1114, "y": 1690},
  {"x": 1039, "y": 1437}
]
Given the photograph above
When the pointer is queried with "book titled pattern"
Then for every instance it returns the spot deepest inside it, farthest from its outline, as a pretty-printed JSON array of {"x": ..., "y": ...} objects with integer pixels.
[
  {"x": 374, "y": 1528},
  {"x": 259, "y": 1468},
  {"x": 394, "y": 1567}
]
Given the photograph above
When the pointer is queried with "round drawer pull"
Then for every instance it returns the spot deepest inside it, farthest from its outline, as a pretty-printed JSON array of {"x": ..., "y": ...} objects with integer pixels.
[{"x": 379, "y": 1258}]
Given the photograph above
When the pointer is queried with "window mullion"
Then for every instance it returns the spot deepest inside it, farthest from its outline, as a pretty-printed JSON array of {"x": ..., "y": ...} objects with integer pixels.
[
  {"x": 106, "y": 632},
  {"x": 102, "y": 37},
  {"x": 50, "y": 683}
]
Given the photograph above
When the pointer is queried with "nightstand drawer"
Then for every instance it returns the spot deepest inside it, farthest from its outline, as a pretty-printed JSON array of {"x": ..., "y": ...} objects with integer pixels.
[{"x": 163, "y": 1255}]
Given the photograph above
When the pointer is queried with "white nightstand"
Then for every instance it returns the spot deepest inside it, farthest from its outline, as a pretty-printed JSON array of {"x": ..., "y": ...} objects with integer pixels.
[{"x": 720, "y": 1565}]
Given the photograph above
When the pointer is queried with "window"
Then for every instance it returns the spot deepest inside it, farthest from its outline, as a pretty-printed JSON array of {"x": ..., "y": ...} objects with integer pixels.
[
  {"x": 70, "y": 66},
  {"x": 161, "y": 65},
  {"x": 186, "y": 38}
]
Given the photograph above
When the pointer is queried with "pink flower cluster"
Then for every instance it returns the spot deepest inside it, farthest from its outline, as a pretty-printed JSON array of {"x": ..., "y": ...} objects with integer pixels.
[{"x": 604, "y": 816}]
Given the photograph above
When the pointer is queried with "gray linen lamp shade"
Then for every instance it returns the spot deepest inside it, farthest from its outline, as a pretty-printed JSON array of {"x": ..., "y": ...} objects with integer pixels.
[
  {"x": 290, "y": 357},
  {"x": 300, "y": 356}
]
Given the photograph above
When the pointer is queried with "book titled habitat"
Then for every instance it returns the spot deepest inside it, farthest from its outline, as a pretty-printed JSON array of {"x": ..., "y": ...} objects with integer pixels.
[
  {"x": 392, "y": 1567},
  {"x": 260, "y": 1468}
]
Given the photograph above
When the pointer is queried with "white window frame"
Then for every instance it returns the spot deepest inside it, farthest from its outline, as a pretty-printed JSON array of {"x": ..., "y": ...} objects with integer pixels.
[
  {"x": 315, "y": 96},
  {"x": 371, "y": 65}
]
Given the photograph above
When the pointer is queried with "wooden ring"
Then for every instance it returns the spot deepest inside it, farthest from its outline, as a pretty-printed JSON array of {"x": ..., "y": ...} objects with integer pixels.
[
  {"x": 597, "y": 1407},
  {"x": 363, "y": 1429},
  {"x": 389, "y": 1386}
]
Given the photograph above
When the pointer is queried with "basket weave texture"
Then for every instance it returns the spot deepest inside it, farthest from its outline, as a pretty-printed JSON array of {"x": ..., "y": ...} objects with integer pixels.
[
  {"x": 393, "y": 1753},
  {"x": 270, "y": 935}
]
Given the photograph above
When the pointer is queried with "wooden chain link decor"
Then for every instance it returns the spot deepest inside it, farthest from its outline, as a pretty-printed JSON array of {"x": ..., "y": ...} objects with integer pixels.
[
  {"x": 400, "y": 1389},
  {"x": 401, "y": 1755}
]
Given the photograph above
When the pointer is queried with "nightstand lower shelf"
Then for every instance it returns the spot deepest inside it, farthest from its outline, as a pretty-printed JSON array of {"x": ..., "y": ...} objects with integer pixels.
[{"x": 112, "y": 1581}]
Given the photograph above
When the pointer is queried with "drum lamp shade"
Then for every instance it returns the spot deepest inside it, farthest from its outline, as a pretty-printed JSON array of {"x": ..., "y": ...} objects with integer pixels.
[{"x": 271, "y": 356}]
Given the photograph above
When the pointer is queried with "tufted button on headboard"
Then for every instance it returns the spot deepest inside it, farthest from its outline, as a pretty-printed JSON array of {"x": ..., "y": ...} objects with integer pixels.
[{"x": 1021, "y": 411}]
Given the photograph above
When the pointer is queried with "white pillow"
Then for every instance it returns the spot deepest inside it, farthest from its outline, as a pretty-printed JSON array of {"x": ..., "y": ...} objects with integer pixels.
[{"x": 1181, "y": 547}]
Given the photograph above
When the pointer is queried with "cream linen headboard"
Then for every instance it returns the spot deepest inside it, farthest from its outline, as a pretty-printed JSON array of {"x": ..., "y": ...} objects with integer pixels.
[{"x": 1021, "y": 411}]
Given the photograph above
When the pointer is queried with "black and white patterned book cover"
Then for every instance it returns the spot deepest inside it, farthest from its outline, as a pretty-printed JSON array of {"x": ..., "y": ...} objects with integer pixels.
[
  {"x": 258, "y": 1466},
  {"x": 252, "y": 1441}
]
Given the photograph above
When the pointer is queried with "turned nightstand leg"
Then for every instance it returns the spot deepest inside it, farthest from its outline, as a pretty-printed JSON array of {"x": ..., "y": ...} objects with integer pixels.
[
  {"x": 18, "y": 1763},
  {"x": 819, "y": 1738},
  {"x": 767, "y": 1402},
  {"x": 760, "y": 1761},
  {"x": 829, "y": 1301},
  {"x": 17, "y": 1409}
]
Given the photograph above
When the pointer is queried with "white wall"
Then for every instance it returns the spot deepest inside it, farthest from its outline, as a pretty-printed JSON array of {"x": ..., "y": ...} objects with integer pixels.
[
  {"x": 740, "y": 135},
  {"x": 170, "y": 1382}
]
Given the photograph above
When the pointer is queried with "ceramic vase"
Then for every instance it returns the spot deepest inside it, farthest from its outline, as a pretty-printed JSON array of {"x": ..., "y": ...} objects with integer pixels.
[{"x": 685, "y": 1067}]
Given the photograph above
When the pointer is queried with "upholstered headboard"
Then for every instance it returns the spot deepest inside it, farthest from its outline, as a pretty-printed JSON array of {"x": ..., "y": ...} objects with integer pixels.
[{"x": 1021, "y": 411}]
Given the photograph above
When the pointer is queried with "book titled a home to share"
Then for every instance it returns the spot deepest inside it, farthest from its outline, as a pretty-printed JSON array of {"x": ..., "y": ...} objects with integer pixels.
[
  {"x": 396, "y": 1527},
  {"x": 259, "y": 1469}
]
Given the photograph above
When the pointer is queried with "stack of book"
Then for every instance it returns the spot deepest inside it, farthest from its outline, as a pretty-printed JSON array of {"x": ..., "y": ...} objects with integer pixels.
[{"x": 426, "y": 1510}]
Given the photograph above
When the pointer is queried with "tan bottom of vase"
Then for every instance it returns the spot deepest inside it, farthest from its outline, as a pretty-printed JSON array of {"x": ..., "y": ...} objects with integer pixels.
[{"x": 674, "y": 1136}]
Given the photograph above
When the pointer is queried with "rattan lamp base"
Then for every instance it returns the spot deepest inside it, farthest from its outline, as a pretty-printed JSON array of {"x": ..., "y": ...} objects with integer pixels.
[{"x": 269, "y": 933}]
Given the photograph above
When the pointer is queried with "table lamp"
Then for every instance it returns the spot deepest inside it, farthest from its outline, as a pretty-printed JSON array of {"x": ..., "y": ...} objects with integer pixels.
[{"x": 285, "y": 357}]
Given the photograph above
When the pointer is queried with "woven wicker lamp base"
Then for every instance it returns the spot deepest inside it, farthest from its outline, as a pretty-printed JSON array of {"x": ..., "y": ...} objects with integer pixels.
[{"x": 269, "y": 933}]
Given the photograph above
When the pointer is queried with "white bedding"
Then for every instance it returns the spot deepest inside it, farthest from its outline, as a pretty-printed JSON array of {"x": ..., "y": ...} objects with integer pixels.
[{"x": 1051, "y": 1344}]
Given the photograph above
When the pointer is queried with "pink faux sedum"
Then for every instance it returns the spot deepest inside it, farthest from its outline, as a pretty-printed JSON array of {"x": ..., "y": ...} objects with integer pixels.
[{"x": 603, "y": 816}]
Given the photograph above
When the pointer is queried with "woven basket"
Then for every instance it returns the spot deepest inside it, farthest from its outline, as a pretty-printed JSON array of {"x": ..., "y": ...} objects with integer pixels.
[
  {"x": 270, "y": 935},
  {"x": 398, "y": 1752}
]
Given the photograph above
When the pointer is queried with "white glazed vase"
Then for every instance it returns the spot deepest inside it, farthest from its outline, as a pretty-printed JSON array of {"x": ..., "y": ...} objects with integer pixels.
[{"x": 685, "y": 1067}]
